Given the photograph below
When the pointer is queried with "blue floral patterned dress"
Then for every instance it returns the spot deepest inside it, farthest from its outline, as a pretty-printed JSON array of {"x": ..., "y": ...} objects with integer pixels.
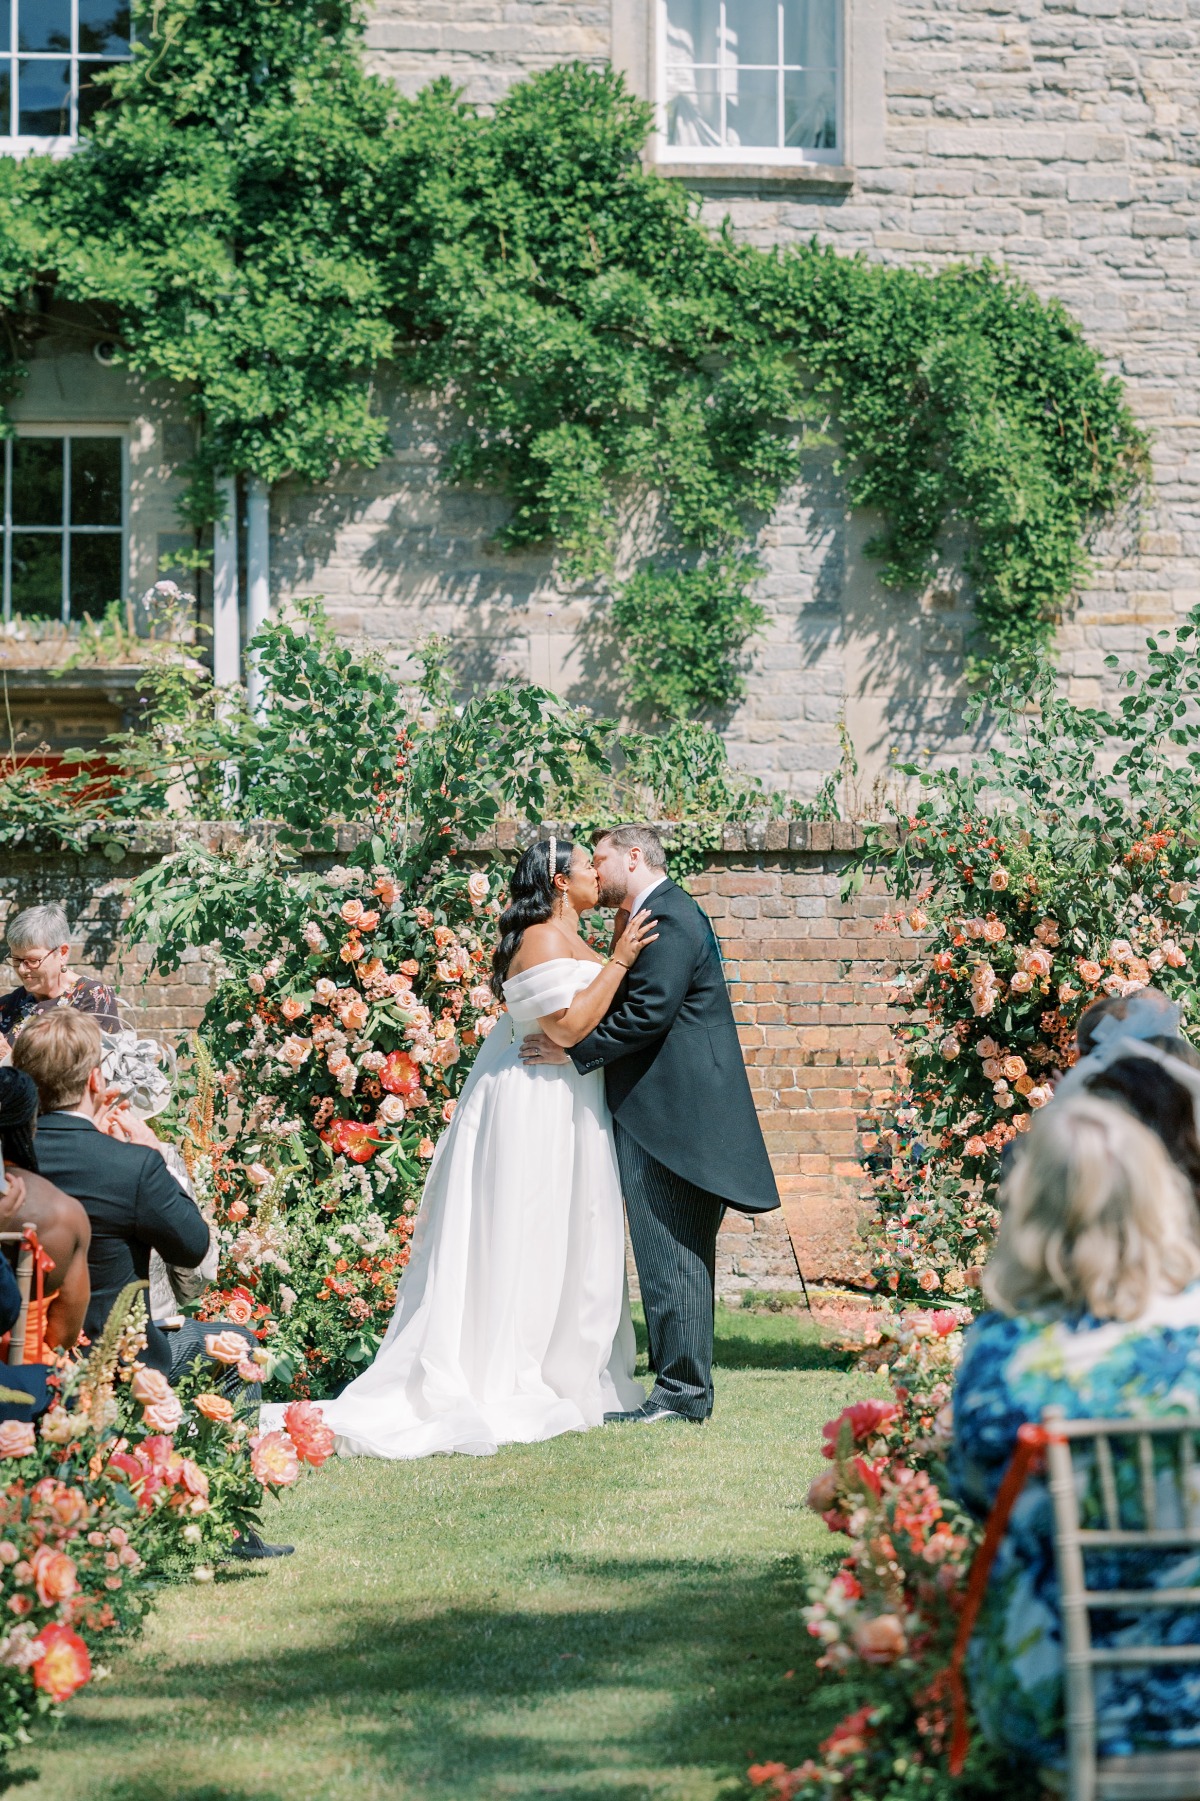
[{"x": 1011, "y": 1370}]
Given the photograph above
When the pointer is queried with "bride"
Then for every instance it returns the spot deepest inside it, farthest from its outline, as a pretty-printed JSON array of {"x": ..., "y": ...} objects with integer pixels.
[{"x": 512, "y": 1322}]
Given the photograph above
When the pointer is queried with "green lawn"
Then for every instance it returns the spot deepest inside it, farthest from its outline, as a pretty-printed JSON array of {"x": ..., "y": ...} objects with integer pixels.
[{"x": 610, "y": 1615}]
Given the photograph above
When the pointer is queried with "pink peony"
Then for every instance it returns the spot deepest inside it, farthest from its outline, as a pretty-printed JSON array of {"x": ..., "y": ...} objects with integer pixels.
[
  {"x": 273, "y": 1460},
  {"x": 17, "y": 1438},
  {"x": 400, "y": 1074},
  {"x": 150, "y": 1387}
]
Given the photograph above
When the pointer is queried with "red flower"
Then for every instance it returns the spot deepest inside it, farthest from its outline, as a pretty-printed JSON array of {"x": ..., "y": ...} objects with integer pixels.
[
  {"x": 400, "y": 1074},
  {"x": 351, "y": 1138},
  {"x": 864, "y": 1419},
  {"x": 307, "y": 1430},
  {"x": 64, "y": 1665}
]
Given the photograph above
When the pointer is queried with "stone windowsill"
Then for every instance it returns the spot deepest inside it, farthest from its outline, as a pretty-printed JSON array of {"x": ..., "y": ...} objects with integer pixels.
[{"x": 731, "y": 177}]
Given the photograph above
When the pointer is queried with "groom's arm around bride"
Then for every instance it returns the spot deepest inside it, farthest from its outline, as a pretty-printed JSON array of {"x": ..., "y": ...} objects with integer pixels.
[{"x": 688, "y": 1139}]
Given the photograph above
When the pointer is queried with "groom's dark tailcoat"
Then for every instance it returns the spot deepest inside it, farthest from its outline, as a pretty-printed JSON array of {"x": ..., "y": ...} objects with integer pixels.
[{"x": 688, "y": 1138}]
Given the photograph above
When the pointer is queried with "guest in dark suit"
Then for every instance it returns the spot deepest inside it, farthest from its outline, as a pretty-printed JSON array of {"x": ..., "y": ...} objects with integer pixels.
[
  {"x": 110, "y": 1160},
  {"x": 688, "y": 1139}
]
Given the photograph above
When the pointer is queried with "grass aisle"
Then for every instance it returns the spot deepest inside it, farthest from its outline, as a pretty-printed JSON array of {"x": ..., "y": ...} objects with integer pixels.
[{"x": 609, "y": 1617}]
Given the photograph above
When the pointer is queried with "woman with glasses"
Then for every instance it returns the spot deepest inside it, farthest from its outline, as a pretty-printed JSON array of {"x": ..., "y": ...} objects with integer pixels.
[{"x": 39, "y": 954}]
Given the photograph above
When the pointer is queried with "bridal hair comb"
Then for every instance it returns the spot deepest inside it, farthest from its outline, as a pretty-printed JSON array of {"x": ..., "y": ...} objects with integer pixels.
[{"x": 552, "y": 862}]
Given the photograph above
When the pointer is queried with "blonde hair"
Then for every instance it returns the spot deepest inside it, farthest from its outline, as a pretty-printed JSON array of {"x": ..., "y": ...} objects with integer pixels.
[
  {"x": 1095, "y": 1217},
  {"x": 59, "y": 1050}
]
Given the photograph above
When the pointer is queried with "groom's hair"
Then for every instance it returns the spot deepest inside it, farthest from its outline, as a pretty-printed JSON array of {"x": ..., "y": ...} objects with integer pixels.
[{"x": 635, "y": 837}]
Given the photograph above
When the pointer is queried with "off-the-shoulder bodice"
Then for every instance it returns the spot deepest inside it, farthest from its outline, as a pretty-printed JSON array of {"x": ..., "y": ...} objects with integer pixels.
[{"x": 545, "y": 988}]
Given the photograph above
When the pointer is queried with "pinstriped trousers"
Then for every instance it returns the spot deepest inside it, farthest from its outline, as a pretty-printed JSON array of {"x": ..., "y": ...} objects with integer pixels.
[{"x": 673, "y": 1228}]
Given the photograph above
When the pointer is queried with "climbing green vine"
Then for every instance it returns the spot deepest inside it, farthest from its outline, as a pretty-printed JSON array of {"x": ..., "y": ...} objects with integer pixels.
[{"x": 273, "y": 230}]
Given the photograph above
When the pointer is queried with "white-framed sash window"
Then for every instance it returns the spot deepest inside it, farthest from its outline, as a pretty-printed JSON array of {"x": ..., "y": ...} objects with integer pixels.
[
  {"x": 65, "y": 522},
  {"x": 750, "y": 81},
  {"x": 51, "y": 52}
]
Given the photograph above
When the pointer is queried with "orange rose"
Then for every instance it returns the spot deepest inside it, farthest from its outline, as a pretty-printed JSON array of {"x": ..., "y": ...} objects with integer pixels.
[
  {"x": 53, "y": 1576},
  {"x": 387, "y": 891},
  {"x": 880, "y": 1640},
  {"x": 240, "y": 1310},
  {"x": 291, "y": 1008},
  {"x": 218, "y": 1408},
  {"x": 64, "y": 1665}
]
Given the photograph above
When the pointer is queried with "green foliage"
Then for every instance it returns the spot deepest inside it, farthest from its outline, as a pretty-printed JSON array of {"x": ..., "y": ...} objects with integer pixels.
[{"x": 269, "y": 227}]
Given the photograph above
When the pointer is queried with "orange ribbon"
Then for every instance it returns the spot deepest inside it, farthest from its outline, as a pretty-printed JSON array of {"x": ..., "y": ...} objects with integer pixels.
[
  {"x": 1031, "y": 1444},
  {"x": 41, "y": 1263}
]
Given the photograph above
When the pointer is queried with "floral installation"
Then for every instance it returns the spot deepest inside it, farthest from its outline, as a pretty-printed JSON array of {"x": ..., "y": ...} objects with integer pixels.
[
  {"x": 330, "y": 1061},
  {"x": 125, "y": 1482}
]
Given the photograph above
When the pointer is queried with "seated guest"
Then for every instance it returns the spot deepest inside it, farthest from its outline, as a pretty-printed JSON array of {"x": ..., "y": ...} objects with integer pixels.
[
  {"x": 62, "y": 1226},
  {"x": 112, "y": 1162},
  {"x": 1094, "y": 1280},
  {"x": 39, "y": 954}
]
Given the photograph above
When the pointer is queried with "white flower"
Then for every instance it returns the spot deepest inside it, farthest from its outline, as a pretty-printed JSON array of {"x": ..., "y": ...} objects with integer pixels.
[{"x": 287, "y": 1297}]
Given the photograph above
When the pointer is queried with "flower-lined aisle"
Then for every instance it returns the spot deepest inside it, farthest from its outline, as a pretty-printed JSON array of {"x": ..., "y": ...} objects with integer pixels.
[
  {"x": 125, "y": 1483},
  {"x": 1060, "y": 866}
]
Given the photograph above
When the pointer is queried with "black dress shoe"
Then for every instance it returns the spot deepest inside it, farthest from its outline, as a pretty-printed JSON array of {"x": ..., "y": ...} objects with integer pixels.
[
  {"x": 649, "y": 1415},
  {"x": 250, "y": 1545}
]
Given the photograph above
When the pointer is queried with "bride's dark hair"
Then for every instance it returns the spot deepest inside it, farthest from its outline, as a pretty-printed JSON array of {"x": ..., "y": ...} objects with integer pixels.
[{"x": 531, "y": 901}]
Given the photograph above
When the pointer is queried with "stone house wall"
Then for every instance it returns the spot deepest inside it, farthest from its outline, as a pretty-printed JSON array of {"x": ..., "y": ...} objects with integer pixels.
[{"x": 808, "y": 975}]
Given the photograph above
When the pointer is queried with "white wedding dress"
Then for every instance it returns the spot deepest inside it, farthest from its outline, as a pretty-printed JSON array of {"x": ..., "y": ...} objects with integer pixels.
[{"x": 512, "y": 1322}]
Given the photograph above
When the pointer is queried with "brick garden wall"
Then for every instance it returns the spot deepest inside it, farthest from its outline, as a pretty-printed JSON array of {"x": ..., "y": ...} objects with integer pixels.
[{"x": 807, "y": 973}]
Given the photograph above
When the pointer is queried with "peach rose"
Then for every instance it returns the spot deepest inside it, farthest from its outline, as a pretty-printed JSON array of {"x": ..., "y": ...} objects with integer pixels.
[
  {"x": 218, "y": 1408},
  {"x": 477, "y": 887},
  {"x": 163, "y": 1416},
  {"x": 918, "y": 920},
  {"x": 950, "y": 1047},
  {"x": 387, "y": 891},
  {"x": 295, "y": 1051},
  {"x": 1023, "y": 1121},
  {"x": 1012, "y": 1067},
  {"x": 1021, "y": 982},
  {"x": 255, "y": 984},
  {"x": 446, "y": 1053},
  {"x": 1177, "y": 893},
  {"x": 313, "y": 936},
  {"x": 225, "y": 1347},
  {"x": 1046, "y": 932},
  {"x": 352, "y": 911},
  {"x": 993, "y": 1068},
  {"x": 259, "y": 1175},
  {"x": 927, "y": 1280},
  {"x": 485, "y": 1025},
  {"x": 291, "y": 1008},
  {"x": 1039, "y": 964},
  {"x": 391, "y": 1110},
  {"x": 240, "y": 1310},
  {"x": 354, "y": 1014},
  {"x": 326, "y": 991},
  {"x": 17, "y": 1438},
  {"x": 995, "y": 931},
  {"x": 352, "y": 950},
  {"x": 149, "y": 1386},
  {"x": 1171, "y": 951},
  {"x": 998, "y": 880},
  {"x": 193, "y": 1479},
  {"x": 822, "y": 1492},
  {"x": 881, "y": 1639},
  {"x": 987, "y": 1047},
  {"x": 425, "y": 1148},
  {"x": 1089, "y": 971},
  {"x": 53, "y": 1576},
  {"x": 1120, "y": 950},
  {"x": 1023, "y": 1084},
  {"x": 1039, "y": 1096},
  {"x": 273, "y": 1460}
]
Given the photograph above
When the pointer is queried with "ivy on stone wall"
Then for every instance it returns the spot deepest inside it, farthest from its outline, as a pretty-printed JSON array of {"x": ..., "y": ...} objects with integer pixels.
[{"x": 269, "y": 228}]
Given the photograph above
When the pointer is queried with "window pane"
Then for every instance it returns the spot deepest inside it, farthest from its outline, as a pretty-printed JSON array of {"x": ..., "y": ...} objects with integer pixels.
[
  {"x": 809, "y": 111},
  {"x": 94, "y": 96},
  {"x": 810, "y": 33},
  {"x": 6, "y": 98},
  {"x": 95, "y": 481},
  {"x": 752, "y": 32},
  {"x": 693, "y": 107},
  {"x": 95, "y": 572},
  {"x": 44, "y": 99},
  {"x": 37, "y": 481},
  {"x": 5, "y": 23},
  {"x": 103, "y": 28},
  {"x": 37, "y": 574},
  {"x": 692, "y": 30},
  {"x": 752, "y": 107},
  {"x": 43, "y": 24}
]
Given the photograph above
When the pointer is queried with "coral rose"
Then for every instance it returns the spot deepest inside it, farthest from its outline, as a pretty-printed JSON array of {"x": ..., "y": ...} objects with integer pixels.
[
  {"x": 291, "y": 1008},
  {"x": 352, "y": 950},
  {"x": 387, "y": 891},
  {"x": 149, "y": 1386},
  {"x": 864, "y": 1418},
  {"x": 54, "y": 1576},
  {"x": 193, "y": 1479},
  {"x": 994, "y": 931},
  {"x": 225, "y": 1347},
  {"x": 273, "y": 1460},
  {"x": 218, "y": 1408},
  {"x": 312, "y": 1438},
  {"x": 163, "y": 1416},
  {"x": 239, "y": 1309},
  {"x": 64, "y": 1665},
  {"x": 943, "y": 962},
  {"x": 1089, "y": 971},
  {"x": 16, "y": 1438},
  {"x": 238, "y": 1210},
  {"x": 400, "y": 1074},
  {"x": 880, "y": 1640},
  {"x": 975, "y": 1147}
]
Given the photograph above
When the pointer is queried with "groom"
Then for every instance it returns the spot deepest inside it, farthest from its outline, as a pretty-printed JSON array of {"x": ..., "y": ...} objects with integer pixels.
[{"x": 688, "y": 1138}]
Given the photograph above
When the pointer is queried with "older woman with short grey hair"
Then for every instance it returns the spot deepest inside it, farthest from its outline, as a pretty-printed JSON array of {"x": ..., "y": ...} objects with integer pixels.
[{"x": 40, "y": 957}]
